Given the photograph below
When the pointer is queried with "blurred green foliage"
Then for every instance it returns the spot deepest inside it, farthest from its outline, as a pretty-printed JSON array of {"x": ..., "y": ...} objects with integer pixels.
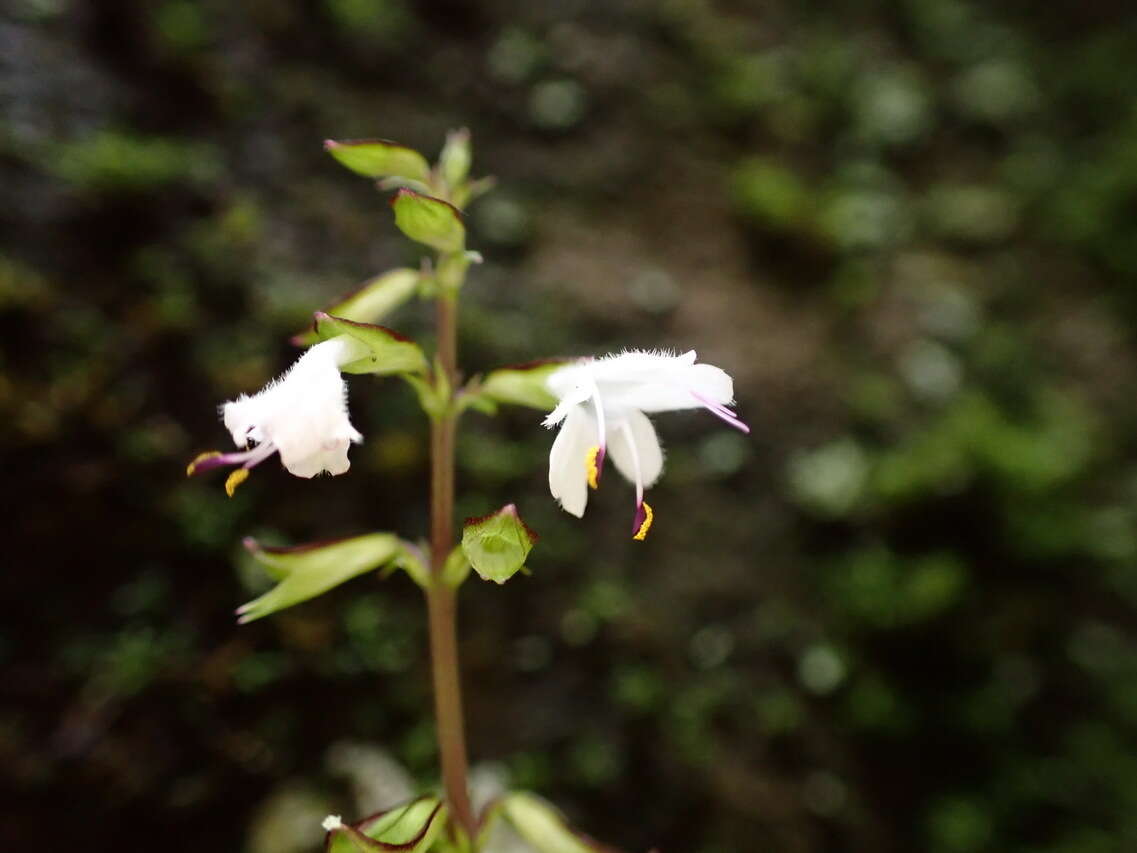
[{"x": 899, "y": 616}]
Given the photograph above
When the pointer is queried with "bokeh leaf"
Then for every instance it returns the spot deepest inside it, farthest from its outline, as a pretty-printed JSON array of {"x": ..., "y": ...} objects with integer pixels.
[
  {"x": 542, "y": 825},
  {"x": 371, "y": 301},
  {"x": 409, "y": 828},
  {"x": 379, "y": 158},
  {"x": 521, "y": 385},
  {"x": 306, "y": 571},
  {"x": 455, "y": 157}
]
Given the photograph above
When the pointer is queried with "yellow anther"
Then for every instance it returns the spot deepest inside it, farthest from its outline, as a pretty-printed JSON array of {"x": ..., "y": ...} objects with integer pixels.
[
  {"x": 239, "y": 475},
  {"x": 645, "y": 525},
  {"x": 201, "y": 457},
  {"x": 591, "y": 467}
]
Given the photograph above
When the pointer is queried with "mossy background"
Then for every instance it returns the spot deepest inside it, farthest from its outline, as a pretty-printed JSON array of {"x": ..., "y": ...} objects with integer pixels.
[{"x": 899, "y": 616}]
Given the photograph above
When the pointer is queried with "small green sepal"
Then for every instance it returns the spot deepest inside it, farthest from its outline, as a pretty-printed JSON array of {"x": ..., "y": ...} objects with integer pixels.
[
  {"x": 429, "y": 220},
  {"x": 522, "y": 384},
  {"x": 371, "y": 301},
  {"x": 379, "y": 158},
  {"x": 303, "y": 572},
  {"x": 497, "y": 544},
  {"x": 409, "y": 828},
  {"x": 387, "y": 352},
  {"x": 542, "y": 826}
]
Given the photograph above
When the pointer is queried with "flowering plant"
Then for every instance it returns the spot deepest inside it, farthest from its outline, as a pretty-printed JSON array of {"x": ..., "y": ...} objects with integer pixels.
[{"x": 600, "y": 405}]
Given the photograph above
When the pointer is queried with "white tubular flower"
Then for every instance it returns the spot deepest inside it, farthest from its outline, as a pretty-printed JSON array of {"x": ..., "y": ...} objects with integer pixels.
[
  {"x": 302, "y": 416},
  {"x": 601, "y": 409}
]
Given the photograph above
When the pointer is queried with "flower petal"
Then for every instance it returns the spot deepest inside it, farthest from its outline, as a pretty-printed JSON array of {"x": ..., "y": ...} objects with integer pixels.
[
  {"x": 571, "y": 389},
  {"x": 568, "y": 475},
  {"x": 671, "y": 390},
  {"x": 308, "y": 421},
  {"x": 647, "y": 448},
  {"x": 640, "y": 366},
  {"x": 330, "y": 457}
]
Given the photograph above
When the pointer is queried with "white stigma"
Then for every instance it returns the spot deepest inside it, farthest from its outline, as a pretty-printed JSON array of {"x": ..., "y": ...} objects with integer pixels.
[{"x": 332, "y": 822}]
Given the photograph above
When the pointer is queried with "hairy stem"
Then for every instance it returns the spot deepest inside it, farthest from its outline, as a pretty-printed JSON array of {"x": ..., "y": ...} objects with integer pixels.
[{"x": 441, "y": 598}]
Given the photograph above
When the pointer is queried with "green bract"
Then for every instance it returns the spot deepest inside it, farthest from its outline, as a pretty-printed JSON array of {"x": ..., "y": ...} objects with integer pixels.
[
  {"x": 370, "y": 302},
  {"x": 542, "y": 826},
  {"x": 522, "y": 385},
  {"x": 306, "y": 571},
  {"x": 389, "y": 352},
  {"x": 497, "y": 544},
  {"x": 410, "y": 828},
  {"x": 379, "y": 158},
  {"x": 429, "y": 220}
]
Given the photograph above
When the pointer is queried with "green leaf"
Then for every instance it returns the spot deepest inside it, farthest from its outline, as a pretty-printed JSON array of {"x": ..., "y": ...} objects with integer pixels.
[
  {"x": 428, "y": 397},
  {"x": 455, "y": 158},
  {"x": 429, "y": 220},
  {"x": 306, "y": 571},
  {"x": 542, "y": 825},
  {"x": 371, "y": 301},
  {"x": 379, "y": 158},
  {"x": 456, "y": 568},
  {"x": 388, "y": 351},
  {"x": 497, "y": 544},
  {"x": 411, "y": 561},
  {"x": 410, "y": 828},
  {"x": 471, "y": 191},
  {"x": 522, "y": 385},
  {"x": 451, "y": 270}
]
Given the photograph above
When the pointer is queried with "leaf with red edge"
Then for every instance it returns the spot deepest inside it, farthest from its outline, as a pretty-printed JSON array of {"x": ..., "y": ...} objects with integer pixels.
[
  {"x": 387, "y": 352},
  {"x": 379, "y": 158},
  {"x": 429, "y": 220},
  {"x": 409, "y": 828},
  {"x": 371, "y": 301}
]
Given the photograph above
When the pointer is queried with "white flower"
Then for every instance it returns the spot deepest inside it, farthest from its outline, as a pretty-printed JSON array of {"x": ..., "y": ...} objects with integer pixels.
[
  {"x": 302, "y": 416},
  {"x": 601, "y": 409}
]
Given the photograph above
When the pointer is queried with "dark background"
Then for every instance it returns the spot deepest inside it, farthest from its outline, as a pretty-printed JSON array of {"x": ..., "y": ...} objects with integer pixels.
[{"x": 899, "y": 616}]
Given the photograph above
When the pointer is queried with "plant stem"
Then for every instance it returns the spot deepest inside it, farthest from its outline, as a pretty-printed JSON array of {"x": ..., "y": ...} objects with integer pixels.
[{"x": 442, "y": 598}]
